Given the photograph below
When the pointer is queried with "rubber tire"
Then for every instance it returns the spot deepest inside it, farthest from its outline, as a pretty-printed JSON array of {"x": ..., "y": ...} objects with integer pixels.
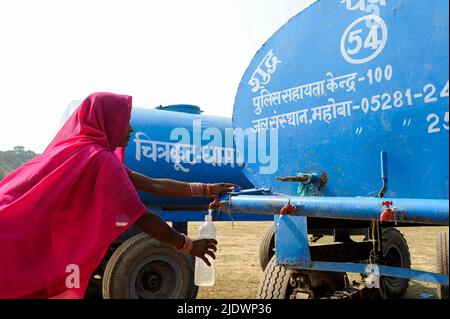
[
  {"x": 275, "y": 282},
  {"x": 394, "y": 239},
  {"x": 125, "y": 260},
  {"x": 267, "y": 246},
  {"x": 442, "y": 261},
  {"x": 95, "y": 287}
]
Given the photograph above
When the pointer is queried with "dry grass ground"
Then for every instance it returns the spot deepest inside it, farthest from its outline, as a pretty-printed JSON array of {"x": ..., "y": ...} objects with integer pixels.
[{"x": 237, "y": 265}]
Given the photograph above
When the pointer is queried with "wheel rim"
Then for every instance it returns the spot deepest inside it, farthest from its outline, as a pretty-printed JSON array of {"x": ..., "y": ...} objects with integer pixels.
[
  {"x": 156, "y": 277},
  {"x": 272, "y": 247}
]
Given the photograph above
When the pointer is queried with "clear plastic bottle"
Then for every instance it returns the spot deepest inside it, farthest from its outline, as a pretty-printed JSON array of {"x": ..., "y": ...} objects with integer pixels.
[{"x": 204, "y": 274}]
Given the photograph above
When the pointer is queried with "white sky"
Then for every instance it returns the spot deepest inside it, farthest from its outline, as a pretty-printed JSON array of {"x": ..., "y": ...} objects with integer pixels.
[{"x": 160, "y": 52}]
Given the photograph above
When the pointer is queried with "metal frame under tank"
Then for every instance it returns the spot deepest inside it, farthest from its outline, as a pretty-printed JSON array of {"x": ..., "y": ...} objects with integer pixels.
[{"x": 313, "y": 268}]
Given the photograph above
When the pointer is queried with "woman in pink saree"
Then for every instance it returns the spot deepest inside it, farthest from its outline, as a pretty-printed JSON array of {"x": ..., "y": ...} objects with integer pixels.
[{"x": 66, "y": 206}]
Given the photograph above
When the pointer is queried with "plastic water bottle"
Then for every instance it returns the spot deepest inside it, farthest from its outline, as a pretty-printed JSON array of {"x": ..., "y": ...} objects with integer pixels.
[{"x": 204, "y": 274}]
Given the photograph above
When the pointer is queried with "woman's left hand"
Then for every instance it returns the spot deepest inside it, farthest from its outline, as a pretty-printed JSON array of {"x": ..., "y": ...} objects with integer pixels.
[
  {"x": 219, "y": 188},
  {"x": 202, "y": 247}
]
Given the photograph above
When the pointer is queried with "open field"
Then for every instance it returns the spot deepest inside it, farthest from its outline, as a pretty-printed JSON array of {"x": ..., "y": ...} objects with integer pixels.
[{"x": 237, "y": 265}]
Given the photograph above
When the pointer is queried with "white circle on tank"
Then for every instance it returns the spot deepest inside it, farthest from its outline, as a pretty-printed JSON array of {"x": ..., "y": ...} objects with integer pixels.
[{"x": 384, "y": 37}]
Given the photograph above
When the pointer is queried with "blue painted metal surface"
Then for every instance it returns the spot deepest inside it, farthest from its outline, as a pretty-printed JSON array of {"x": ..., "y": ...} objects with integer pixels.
[
  {"x": 408, "y": 210},
  {"x": 185, "y": 108},
  {"x": 184, "y": 215},
  {"x": 384, "y": 174},
  {"x": 177, "y": 142},
  {"x": 343, "y": 81},
  {"x": 383, "y": 270},
  {"x": 291, "y": 238}
]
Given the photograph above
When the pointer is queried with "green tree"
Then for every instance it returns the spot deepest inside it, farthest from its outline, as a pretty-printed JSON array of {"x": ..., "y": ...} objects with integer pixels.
[{"x": 13, "y": 159}]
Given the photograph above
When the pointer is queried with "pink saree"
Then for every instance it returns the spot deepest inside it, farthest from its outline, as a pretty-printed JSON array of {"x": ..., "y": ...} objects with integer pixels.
[{"x": 60, "y": 211}]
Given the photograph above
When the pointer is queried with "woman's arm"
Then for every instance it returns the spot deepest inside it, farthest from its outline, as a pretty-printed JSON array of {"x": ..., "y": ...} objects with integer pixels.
[
  {"x": 160, "y": 187},
  {"x": 158, "y": 229},
  {"x": 172, "y": 188}
]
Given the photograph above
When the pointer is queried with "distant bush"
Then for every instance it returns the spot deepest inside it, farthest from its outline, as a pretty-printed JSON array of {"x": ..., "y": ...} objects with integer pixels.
[{"x": 13, "y": 159}]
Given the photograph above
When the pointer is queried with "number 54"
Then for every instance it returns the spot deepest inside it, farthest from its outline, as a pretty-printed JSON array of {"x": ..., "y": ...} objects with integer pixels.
[{"x": 371, "y": 41}]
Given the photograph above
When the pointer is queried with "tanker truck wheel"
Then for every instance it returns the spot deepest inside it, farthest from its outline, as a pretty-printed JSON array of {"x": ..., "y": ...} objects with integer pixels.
[
  {"x": 275, "y": 282},
  {"x": 278, "y": 282},
  {"x": 267, "y": 246},
  {"x": 144, "y": 268},
  {"x": 442, "y": 261},
  {"x": 396, "y": 254}
]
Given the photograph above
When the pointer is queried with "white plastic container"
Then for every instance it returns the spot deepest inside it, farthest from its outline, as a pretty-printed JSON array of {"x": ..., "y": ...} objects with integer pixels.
[{"x": 205, "y": 275}]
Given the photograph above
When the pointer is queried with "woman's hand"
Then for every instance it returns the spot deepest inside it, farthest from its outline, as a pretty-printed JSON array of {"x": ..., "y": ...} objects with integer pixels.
[
  {"x": 202, "y": 247},
  {"x": 157, "y": 228},
  {"x": 219, "y": 188},
  {"x": 174, "y": 188}
]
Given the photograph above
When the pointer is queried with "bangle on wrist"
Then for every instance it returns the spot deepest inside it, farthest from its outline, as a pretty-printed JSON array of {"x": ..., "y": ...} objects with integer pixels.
[
  {"x": 196, "y": 189},
  {"x": 187, "y": 246}
]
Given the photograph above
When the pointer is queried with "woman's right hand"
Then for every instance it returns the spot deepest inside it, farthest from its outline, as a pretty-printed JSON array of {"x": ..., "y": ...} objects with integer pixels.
[{"x": 202, "y": 247}]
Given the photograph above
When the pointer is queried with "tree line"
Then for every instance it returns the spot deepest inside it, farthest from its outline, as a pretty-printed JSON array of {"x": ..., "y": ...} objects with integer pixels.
[{"x": 13, "y": 159}]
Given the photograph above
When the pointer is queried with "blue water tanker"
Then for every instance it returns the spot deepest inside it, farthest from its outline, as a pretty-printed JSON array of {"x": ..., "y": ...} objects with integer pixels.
[
  {"x": 179, "y": 142},
  {"x": 350, "y": 101}
]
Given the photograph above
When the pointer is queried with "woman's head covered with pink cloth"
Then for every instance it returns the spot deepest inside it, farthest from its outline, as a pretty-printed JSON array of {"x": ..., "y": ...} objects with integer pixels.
[
  {"x": 102, "y": 117},
  {"x": 60, "y": 211}
]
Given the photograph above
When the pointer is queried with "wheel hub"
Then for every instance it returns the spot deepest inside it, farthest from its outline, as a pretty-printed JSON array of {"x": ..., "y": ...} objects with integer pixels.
[{"x": 157, "y": 278}]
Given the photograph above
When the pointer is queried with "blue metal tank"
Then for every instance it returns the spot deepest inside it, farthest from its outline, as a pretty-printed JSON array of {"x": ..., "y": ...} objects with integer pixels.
[
  {"x": 177, "y": 142},
  {"x": 345, "y": 81}
]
